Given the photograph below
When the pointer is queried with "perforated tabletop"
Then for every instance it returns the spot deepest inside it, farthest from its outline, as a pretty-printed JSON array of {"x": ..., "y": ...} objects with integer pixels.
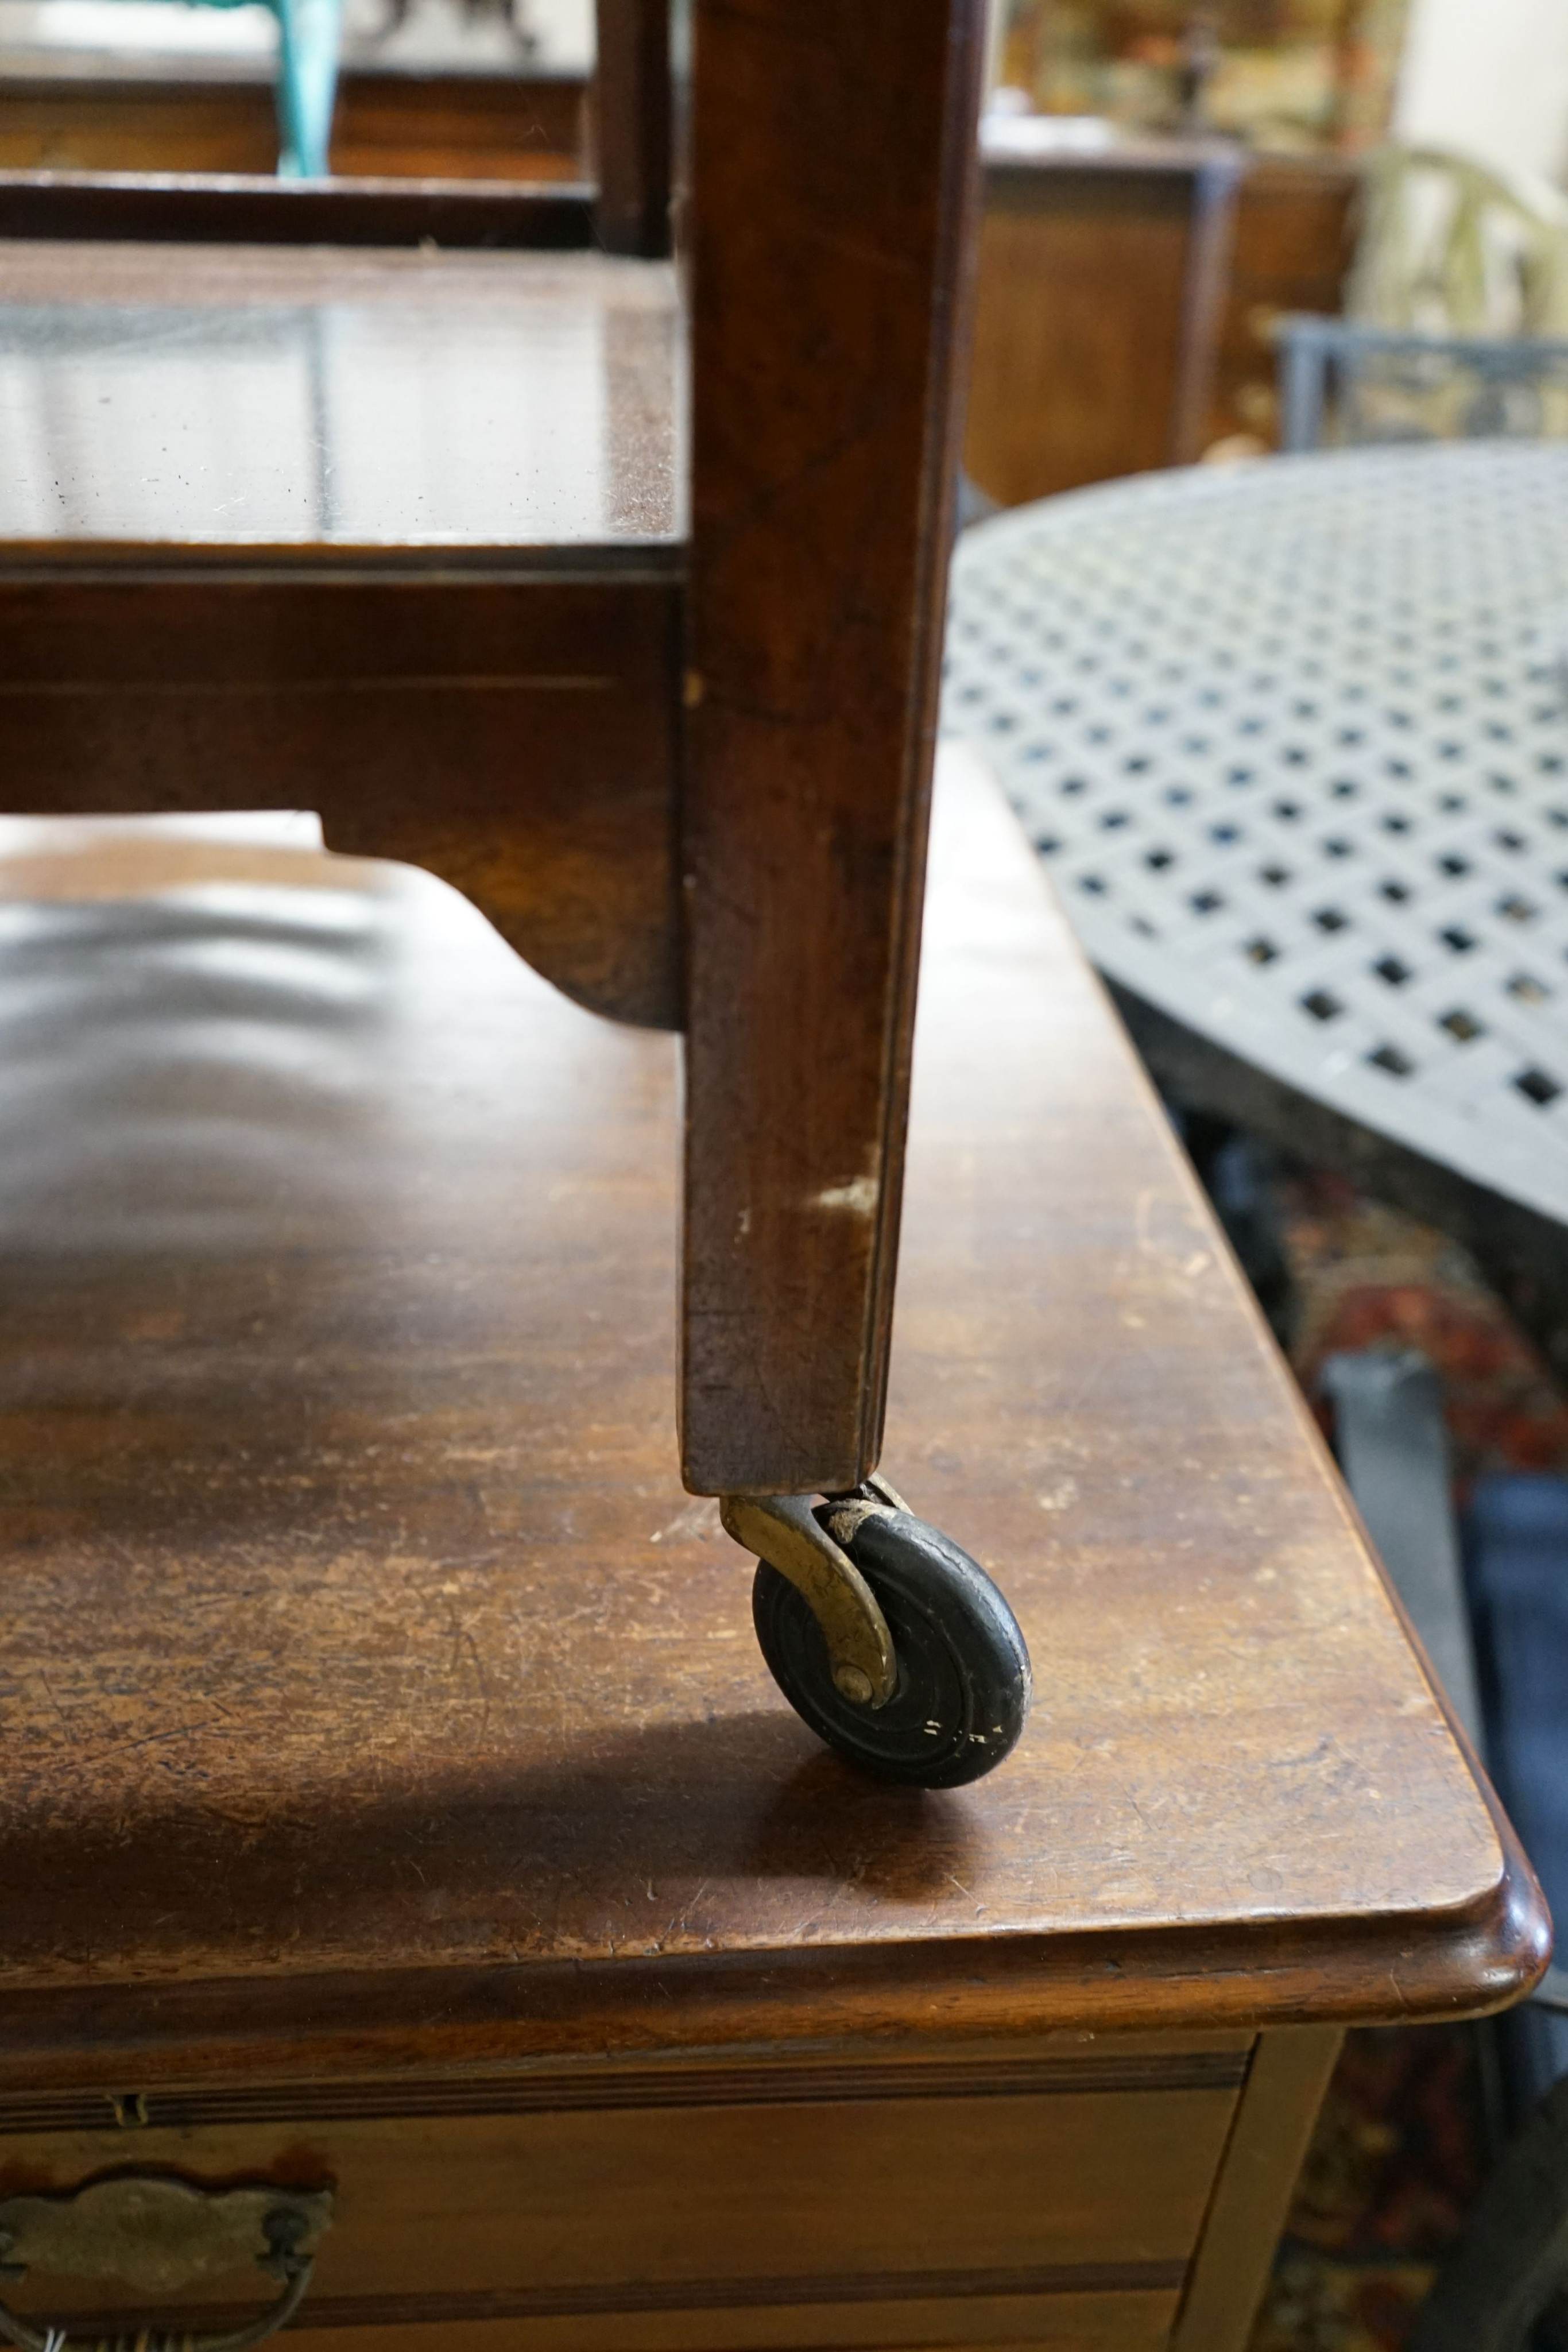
[{"x": 1293, "y": 740}]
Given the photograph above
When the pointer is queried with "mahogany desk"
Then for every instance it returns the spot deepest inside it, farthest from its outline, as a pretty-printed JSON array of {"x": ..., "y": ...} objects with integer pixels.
[{"x": 393, "y": 1796}]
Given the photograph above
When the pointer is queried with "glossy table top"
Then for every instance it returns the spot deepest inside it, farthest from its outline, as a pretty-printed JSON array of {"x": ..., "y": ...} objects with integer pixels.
[
  {"x": 357, "y": 1630},
  {"x": 268, "y": 396}
]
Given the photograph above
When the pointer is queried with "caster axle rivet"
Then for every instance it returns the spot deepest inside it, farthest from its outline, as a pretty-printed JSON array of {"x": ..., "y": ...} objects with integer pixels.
[{"x": 851, "y": 1683}]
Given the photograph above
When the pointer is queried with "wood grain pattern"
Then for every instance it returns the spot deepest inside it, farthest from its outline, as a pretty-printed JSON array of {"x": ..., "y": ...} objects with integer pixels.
[
  {"x": 373, "y": 1696},
  {"x": 1285, "y": 2086},
  {"x": 1096, "y": 318},
  {"x": 459, "y": 126},
  {"x": 514, "y": 735},
  {"x": 714, "y": 2207},
  {"x": 824, "y": 412},
  {"x": 476, "y": 126},
  {"x": 1097, "y": 2319},
  {"x": 632, "y": 126},
  {"x": 480, "y": 457},
  {"x": 1014, "y": 2072}
]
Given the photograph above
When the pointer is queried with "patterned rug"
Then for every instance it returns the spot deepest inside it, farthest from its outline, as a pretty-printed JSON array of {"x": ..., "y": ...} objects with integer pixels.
[
  {"x": 1396, "y": 2159},
  {"x": 1361, "y": 1275},
  {"x": 1406, "y": 2131}
]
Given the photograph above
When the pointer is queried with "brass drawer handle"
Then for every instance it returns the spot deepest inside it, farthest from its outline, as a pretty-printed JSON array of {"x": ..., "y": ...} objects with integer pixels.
[{"x": 157, "y": 2232}]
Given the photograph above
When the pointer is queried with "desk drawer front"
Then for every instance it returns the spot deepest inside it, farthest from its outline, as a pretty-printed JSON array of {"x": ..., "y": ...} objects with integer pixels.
[{"x": 759, "y": 2222}]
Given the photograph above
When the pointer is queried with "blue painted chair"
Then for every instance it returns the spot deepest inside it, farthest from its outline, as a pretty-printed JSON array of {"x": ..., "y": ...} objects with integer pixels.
[
  {"x": 1341, "y": 383},
  {"x": 306, "y": 90},
  {"x": 306, "y": 87},
  {"x": 1455, "y": 314}
]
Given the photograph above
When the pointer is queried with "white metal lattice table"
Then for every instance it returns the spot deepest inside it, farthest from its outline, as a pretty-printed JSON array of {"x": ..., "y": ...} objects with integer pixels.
[{"x": 1293, "y": 740}]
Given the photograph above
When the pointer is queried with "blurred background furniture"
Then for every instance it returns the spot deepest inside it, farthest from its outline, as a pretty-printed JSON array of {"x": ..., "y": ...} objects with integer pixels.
[
  {"x": 1455, "y": 307},
  {"x": 1133, "y": 302},
  {"x": 408, "y": 124},
  {"x": 306, "y": 82},
  {"x": 1293, "y": 239},
  {"x": 1291, "y": 737},
  {"x": 1342, "y": 383},
  {"x": 1291, "y": 77},
  {"x": 1377, "y": 110},
  {"x": 307, "y": 86},
  {"x": 434, "y": 155},
  {"x": 1448, "y": 248},
  {"x": 478, "y": 87},
  {"x": 1102, "y": 279}
]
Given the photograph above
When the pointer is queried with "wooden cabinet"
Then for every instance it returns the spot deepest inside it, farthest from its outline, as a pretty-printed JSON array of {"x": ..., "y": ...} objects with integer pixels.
[
  {"x": 392, "y": 1797},
  {"x": 1295, "y": 218},
  {"x": 1101, "y": 280},
  {"x": 1125, "y": 303}
]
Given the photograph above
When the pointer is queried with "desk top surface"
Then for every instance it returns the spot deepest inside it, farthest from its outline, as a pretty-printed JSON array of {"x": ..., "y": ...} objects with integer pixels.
[
  {"x": 298, "y": 398},
  {"x": 367, "y": 1670}
]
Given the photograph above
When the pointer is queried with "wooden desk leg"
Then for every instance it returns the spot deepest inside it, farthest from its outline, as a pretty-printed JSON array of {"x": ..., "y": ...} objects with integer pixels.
[
  {"x": 632, "y": 128},
  {"x": 1274, "y": 2119},
  {"x": 832, "y": 173}
]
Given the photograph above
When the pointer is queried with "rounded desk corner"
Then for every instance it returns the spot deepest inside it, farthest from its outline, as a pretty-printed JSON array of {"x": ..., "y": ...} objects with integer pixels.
[
  {"x": 1498, "y": 1950},
  {"x": 1469, "y": 1959},
  {"x": 1466, "y": 1960},
  {"x": 1487, "y": 1953}
]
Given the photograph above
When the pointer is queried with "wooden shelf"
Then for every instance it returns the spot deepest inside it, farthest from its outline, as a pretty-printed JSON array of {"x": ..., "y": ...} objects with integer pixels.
[
  {"x": 288, "y": 398},
  {"x": 416, "y": 126}
]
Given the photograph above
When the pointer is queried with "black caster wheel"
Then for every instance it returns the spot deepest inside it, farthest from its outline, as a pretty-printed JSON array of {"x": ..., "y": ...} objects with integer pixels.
[{"x": 962, "y": 1687}]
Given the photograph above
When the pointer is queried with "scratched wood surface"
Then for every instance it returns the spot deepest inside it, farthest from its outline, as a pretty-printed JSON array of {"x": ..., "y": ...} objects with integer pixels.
[{"x": 370, "y": 1687}]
